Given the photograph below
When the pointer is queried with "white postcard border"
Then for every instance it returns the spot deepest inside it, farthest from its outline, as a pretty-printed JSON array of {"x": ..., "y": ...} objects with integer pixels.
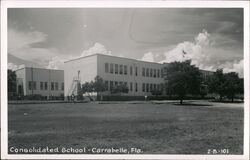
[{"x": 119, "y": 4}]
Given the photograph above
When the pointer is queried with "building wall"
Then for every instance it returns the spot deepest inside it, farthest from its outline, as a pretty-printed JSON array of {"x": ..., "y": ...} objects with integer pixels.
[
  {"x": 86, "y": 67},
  {"x": 35, "y": 78},
  {"x": 130, "y": 77},
  {"x": 91, "y": 66},
  {"x": 21, "y": 78}
]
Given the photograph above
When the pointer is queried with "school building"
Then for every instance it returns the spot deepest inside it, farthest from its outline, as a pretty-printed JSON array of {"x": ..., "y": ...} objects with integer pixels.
[
  {"x": 40, "y": 81},
  {"x": 140, "y": 77}
]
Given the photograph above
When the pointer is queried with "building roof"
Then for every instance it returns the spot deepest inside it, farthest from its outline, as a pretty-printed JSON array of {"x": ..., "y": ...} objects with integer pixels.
[
  {"x": 39, "y": 68},
  {"x": 98, "y": 54}
]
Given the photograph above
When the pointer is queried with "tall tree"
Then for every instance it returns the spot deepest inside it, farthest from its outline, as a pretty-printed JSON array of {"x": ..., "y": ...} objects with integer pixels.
[
  {"x": 233, "y": 85},
  {"x": 227, "y": 84},
  {"x": 11, "y": 83},
  {"x": 182, "y": 78},
  {"x": 216, "y": 83}
]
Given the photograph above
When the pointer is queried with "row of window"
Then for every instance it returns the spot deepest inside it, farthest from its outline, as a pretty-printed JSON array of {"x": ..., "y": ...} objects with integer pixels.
[
  {"x": 149, "y": 87},
  {"x": 111, "y": 84},
  {"x": 120, "y": 69},
  {"x": 146, "y": 87},
  {"x": 150, "y": 72},
  {"x": 45, "y": 85}
]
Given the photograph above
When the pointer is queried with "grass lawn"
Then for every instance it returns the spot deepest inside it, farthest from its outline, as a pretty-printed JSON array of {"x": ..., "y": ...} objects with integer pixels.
[{"x": 154, "y": 128}]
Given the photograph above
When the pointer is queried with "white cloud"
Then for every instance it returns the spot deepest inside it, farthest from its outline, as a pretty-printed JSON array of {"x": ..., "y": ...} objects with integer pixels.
[
  {"x": 57, "y": 62},
  {"x": 149, "y": 57},
  {"x": 205, "y": 55},
  {"x": 235, "y": 66},
  {"x": 13, "y": 66},
  {"x": 20, "y": 45},
  {"x": 96, "y": 49}
]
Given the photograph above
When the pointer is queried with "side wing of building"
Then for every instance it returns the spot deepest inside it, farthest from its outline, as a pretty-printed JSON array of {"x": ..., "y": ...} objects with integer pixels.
[
  {"x": 38, "y": 81},
  {"x": 139, "y": 76}
]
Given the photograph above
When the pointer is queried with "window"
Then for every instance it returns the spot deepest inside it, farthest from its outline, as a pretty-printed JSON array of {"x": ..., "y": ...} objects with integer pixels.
[
  {"x": 154, "y": 72},
  {"x": 143, "y": 72},
  {"x": 121, "y": 69},
  {"x": 116, "y": 68},
  {"x": 143, "y": 87},
  {"x": 158, "y": 86},
  {"x": 136, "y": 87},
  {"x": 30, "y": 85},
  {"x": 34, "y": 85},
  {"x": 131, "y": 70},
  {"x": 151, "y": 72},
  {"x": 151, "y": 87},
  {"x": 136, "y": 71},
  {"x": 111, "y": 85},
  {"x": 56, "y": 86},
  {"x": 116, "y": 83},
  {"x": 46, "y": 86},
  {"x": 106, "y": 67},
  {"x": 161, "y": 72},
  {"x": 158, "y": 73},
  {"x": 120, "y": 83},
  {"x": 106, "y": 85},
  {"x": 111, "y": 68},
  {"x": 41, "y": 85},
  {"x": 126, "y": 84},
  {"x": 147, "y": 87},
  {"x": 62, "y": 86},
  {"x": 125, "y": 69},
  {"x": 154, "y": 86},
  {"x": 147, "y": 72},
  {"x": 131, "y": 86},
  {"x": 52, "y": 86}
]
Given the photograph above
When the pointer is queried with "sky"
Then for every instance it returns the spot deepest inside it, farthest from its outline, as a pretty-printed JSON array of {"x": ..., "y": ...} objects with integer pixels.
[{"x": 211, "y": 38}]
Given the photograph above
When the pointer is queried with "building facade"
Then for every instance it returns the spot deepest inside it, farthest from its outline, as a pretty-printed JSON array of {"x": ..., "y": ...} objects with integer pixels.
[
  {"x": 38, "y": 81},
  {"x": 140, "y": 77}
]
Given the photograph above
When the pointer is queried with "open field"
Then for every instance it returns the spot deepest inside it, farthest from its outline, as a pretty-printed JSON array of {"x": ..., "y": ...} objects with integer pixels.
[{"x": 154, "y": 128}]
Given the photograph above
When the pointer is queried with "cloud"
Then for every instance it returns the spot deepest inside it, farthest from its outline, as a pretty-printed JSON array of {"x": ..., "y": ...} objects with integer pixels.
[
  {"x": 149, "y": 57},
  {"x": 14, "y": 67},
  {"x": 19, "y": 40},
  {"x": 96, "y": 49},
  {"x": 206, "y": 54},
  {"x": 57, "y": 62},
  {"x": 235, "y": 66},
  {"x": 20, "y": 44}
]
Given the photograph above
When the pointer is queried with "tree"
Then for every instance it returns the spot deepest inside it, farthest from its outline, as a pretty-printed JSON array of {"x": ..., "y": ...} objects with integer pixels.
[
  {"x": 121, "y": 88},
  {"x": 11, "y": 83},
  {"x": 182, "y": 78},
  {"x": 227, "y": 84},
  {"x": 97, "y": 86},
  {"x": 233, "y": 85},
  {"x": 216, "y": 83},
  {"x": 87, "y": 88}
]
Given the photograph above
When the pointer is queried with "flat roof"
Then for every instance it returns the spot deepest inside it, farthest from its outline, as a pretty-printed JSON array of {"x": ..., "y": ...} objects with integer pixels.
[
  {"x": 39, "y": 68},
  {"x": 98, "y": 54}
]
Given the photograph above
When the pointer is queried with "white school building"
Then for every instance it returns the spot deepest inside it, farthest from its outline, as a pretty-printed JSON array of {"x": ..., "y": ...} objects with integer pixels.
[
  {"x": 139, "y": 76},
  {"x": 40, "y": 81}
]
